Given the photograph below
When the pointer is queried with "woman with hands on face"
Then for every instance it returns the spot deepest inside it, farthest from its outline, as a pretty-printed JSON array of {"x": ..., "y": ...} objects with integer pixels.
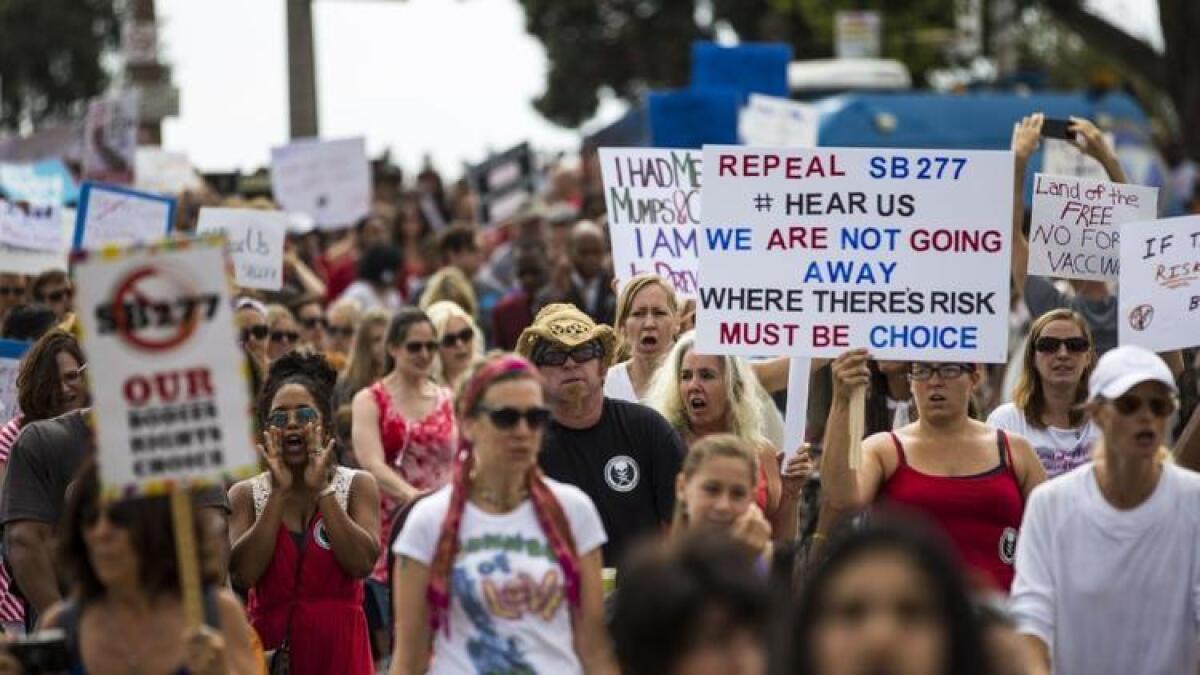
[
  {"x": 306, "y": 532},
  {"x": 970, "y": 479}
]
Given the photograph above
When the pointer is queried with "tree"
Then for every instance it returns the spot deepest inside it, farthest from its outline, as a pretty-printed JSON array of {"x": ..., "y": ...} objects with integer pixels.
[
  {"x": 628, "y": 46},
  {"x": 1174, "y": 71},
  {"x": 50, "y": 57}
]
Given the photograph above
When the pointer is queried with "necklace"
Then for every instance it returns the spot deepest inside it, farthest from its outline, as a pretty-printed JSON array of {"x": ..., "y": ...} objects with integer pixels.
[{"x": 494, "y": 498}]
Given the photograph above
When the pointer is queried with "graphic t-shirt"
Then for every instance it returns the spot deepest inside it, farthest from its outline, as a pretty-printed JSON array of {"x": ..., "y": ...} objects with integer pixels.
[
  {"x": 626, "y": 463},
  {"x": 1060, "y": 450},
  {"x": 509, "y": 614}
]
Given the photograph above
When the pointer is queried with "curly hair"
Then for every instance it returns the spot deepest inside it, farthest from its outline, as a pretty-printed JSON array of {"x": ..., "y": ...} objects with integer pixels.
[
  {"x": 742, "y": 393},
  {"x": 39, "y": 387},
  {"x": 310, "y": 371}
]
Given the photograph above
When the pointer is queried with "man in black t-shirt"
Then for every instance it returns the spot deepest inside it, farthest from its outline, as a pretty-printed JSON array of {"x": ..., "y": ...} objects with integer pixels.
[
  {"x": 45, "y": 458},
  {"x": 625, "y": 456}
]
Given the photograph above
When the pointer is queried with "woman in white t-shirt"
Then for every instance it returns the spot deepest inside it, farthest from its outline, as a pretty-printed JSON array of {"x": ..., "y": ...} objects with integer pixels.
[
  {"x": 500, "y": 571},
  {"x": 647, "y": 324},
  {"x": 1046, "y": 406}
]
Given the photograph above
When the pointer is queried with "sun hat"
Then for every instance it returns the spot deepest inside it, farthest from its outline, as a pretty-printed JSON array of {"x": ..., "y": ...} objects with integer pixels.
[{"x": 565, "y": 325}]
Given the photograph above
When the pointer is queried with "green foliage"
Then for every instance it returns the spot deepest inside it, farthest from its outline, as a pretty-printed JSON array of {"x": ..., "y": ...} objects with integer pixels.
[
  {"x": 50, "y": 56},
  {"x": 627, "y": 46}
]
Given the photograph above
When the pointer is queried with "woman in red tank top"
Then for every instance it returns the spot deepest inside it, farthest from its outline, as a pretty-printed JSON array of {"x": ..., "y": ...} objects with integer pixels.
[{"x": 969, "y": 479}]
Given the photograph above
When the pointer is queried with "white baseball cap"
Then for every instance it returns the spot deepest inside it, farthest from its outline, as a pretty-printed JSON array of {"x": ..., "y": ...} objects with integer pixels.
[{"x": 1121, "y": 369}]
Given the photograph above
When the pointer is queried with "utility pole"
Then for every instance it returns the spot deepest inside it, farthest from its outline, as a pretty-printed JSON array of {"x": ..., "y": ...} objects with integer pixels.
[
  {"x": 144, "y": 72},
  {"x": 302, "y": 71}
]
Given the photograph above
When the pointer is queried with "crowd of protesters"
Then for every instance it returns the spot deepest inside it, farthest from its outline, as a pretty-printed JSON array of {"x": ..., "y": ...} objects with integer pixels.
[{"x": 481, "y": 455}]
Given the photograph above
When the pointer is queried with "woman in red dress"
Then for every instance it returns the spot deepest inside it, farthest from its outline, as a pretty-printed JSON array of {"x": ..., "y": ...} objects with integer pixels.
[{"x": 306, "y": 532}]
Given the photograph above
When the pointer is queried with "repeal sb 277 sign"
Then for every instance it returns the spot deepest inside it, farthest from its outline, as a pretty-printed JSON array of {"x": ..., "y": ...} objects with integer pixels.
[
  {"x": 809, "y": 252},
  {"x": 168, "y": 381}
]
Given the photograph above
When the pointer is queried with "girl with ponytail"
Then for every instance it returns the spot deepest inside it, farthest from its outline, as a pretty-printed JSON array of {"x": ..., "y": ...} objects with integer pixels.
[{"x": 499, "y": 571}]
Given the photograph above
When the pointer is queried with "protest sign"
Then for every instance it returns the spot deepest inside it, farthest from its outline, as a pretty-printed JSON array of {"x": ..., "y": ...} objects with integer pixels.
[
  {"x": 653, "y": 201},
  {"x": 504, "y": 183},
  {"x": 1064, "y": 158},
  {"x": 113, "y": 216},
  {"x": 168, "y": 381},
  {"x": 795, "y": 417},
  {"x": 254, "y": 240},
  {"x": 771, "y": 121},
  {"x": 166, "y": 172},
  {"x": 44, "y": 182},
  {"x": 15, "y": 260},
  {"x": 689, "y": 119},
  {"x": 811, "y": 252},
  {"x": 38, "y": 228},
  {"x": 110, "y": 138},
  {"x": 1159, "y": 302},
  {"x": 1074, "y": 232},
  {"x": 749, "y": 68},
  {"x": 328, "y": 180},
  {"x": 11, "y": 352}
]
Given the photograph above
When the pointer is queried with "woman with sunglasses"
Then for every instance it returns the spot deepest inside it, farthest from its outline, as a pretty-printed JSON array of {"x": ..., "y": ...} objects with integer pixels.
[
  {"x": 460, "y": 340},
  {"x": 403, "y": 429},
  {"x": 283, "y": 332},
  {"x": 500, "y": 571},
  {"x": 969, "y": 478},
  {"x": 1046, "y": 408},
  {"x": 1108, "y": 566},
  {"x": 306, "y": 532}
]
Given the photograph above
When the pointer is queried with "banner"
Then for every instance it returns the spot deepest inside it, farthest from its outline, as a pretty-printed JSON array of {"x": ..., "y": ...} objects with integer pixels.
[
  {"x": 771, "y": 121},
  {"x": 254, "y": 240},
  {"x": 16, "y": 260},
  {"x": 37, "y": 228},
  {"x": 504, "y": 183},
  {"x": 809, "y": 252},
  {"x": 169, "y": 383},
  {"x": 113, "y": 216},
  {"x": 795, "y": 417},
  {"x": 328, "y": 180},
  {"x": 44, "y": 182},
  {"x": 1159, "y": 299},
  {"x": 653, "y": 201},
  {"x": 1075, "y": 228},
  {"x": 11, "y": 352},
  {"x": 110, "y": 139}
]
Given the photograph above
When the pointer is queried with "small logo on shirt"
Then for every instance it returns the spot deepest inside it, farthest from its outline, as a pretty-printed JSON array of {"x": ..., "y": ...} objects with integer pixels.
[
  {"x": 320, "y": 535},
  {"x": 622, "y": 473},
  {"x": 1008, "y": 545}
]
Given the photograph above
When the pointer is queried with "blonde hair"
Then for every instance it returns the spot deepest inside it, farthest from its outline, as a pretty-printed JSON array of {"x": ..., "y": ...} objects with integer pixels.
[
  {"x": 709, "y": 447},
  {"x": 625, "y": 300},
  {"x": 1028, "y": 396},
  {"x": 450, "y": 283},
  {"x": 440, "y": 313},
  {"x": 276, "y": 313},
  {"x": 742, "y": 393}
]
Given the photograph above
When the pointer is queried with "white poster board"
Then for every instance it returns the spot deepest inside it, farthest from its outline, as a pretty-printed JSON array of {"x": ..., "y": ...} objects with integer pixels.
[
  {"x": 767, "y": 120},
  {"x": 1074, "y": 232},
  {"x": 653, "y": 201},
  {"x": 167, "y": 172},
  {"x": 168, "y": 379},
  {"x": 110, "y": 138},
  {"x": 38, "y": 228},
  {"x": 112, "y": 216},
  {"x": 16, "y": 260},
  {"x": 1159, "y": 302},
  {"x": 328, "y": 180},
  {"x": 11, "y": 352},
  {"x": 809, "y": 252},
  {"x": 23, "y": 182},
  {"x": 254, "y": 240},
  {"x": 795, "y": 417}
]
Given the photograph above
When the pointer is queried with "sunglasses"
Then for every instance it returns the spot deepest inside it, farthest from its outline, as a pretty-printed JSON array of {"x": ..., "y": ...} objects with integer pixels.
[
  {"x": 279, "y": 419},
  {"x": 13, "y": 291},
  {"x": 507, "y": 417},
  {"x": 282, "y": 335},
  {"x": 416, "y": 347},
  {"x": 1132, "y": 405},
  {"x": 59, "y": 295},
  {"x": 120, "y": 514},
  {"x": 464, "y": 336},
  {"x": 340, "y": 331},
  {"x": 256, "y": 332},
  {"x": 314, "y": 322},
  {"x": 581, "y": 354},
  {"x": 1051, "y": 345},
  {"x": 947, "y": 371}
]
